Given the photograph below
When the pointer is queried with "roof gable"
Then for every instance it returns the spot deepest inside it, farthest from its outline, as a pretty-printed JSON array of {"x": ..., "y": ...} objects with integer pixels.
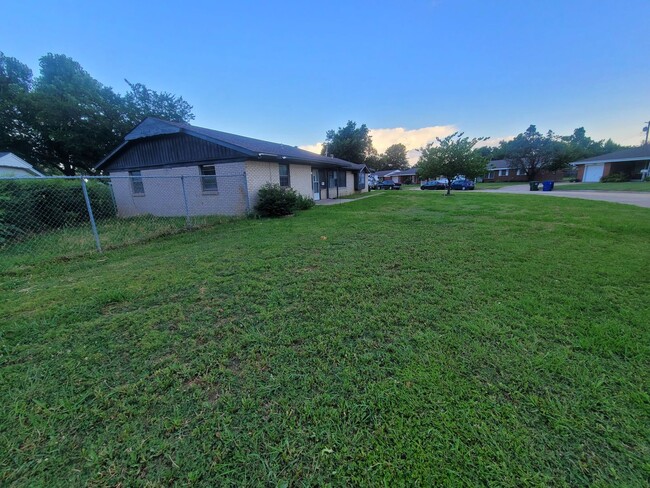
[
  {"x": 253, "y": 148},
  {"x": 170, "y": 149},
  {"x": 10, "y": 160}
]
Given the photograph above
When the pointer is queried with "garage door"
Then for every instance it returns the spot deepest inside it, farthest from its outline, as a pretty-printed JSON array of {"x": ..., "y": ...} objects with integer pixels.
[{"x": 593, "y": 173}]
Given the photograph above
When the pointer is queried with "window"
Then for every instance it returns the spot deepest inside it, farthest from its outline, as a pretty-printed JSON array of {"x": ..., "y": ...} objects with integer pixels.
[
  {"x": 284, "y": 175},
  {"x": 137, "y": 185},
  {"x": 361, "y": 181},
  {"x": 342, "y": 179},
  {"x": 332, "y": 179},
  {"x": 208, "y": 178},
  {"x": 490, "y": 175},
  {"x": 520, "y": 172},
  {"x": 504, "y": 172}
]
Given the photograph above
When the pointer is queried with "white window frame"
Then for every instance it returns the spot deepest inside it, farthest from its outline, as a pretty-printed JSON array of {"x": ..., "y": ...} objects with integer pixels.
[
  {"x": 210, "y": 178},
  {"x": 137, "y": 183},
  {"x": 287, "y": 176}
]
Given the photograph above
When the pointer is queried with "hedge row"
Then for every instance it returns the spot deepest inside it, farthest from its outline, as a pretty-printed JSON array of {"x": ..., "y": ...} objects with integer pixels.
[{"x": 37, "y": 205}]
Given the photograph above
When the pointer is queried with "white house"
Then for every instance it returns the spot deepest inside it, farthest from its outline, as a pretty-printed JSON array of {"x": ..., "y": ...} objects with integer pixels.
[
  {"x": 172, "y": 169},
  {"x": 13, "y": 166}
]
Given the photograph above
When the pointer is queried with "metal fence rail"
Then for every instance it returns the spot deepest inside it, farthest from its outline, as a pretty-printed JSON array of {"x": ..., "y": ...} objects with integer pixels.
[{"x": 62, "y": 216}]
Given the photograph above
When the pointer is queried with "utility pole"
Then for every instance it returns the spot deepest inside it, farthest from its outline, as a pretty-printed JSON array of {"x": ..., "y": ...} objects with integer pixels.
[{"x": 646, "y": 129}]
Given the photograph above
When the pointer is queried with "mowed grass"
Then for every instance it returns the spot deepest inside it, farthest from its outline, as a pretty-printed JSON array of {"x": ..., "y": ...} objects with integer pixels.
[
  {"x": 499, "y": 184},
  {"x": 627, "y": 186},
  {"x": 404, "y": 339}
]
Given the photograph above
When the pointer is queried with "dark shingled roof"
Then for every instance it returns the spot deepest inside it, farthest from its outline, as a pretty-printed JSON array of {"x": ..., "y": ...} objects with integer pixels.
[
  {"x": 498, "y": 164},
  {"x": 633, "y": 154},
  {"x": 255, "y": 148}
]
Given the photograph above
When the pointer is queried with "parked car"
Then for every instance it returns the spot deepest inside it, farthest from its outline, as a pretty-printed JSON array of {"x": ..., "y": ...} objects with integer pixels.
[
  {"x": 434, "y": 185},
  {"x": 462, "y": 185},
  {"x": 389, "y": 185}
]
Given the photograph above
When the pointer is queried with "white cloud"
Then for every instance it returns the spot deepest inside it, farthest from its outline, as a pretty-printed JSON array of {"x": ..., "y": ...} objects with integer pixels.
[
  {"x": 413, "y": 139},
  {"x": 315, "y": 148}
]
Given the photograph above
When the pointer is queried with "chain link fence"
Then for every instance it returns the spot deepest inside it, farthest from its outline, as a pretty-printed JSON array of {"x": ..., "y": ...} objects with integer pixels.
[{"x": 52, "y": 217}]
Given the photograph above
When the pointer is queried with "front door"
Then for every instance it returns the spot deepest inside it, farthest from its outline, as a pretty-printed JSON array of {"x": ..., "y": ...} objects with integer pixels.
[{"x": 315, "y": 184}]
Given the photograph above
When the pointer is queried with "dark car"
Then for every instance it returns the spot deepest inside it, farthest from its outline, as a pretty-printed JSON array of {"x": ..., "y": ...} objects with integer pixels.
[
  {"x": 389, "y": 185},
  {"x": 434, "y": 185},
  {"x": 462, "y": 185}
]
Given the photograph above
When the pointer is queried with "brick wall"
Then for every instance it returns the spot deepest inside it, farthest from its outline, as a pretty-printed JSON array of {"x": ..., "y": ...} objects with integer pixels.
[
  {"x": 163, "y": 196},
  {"x": 259, "y": 173}
]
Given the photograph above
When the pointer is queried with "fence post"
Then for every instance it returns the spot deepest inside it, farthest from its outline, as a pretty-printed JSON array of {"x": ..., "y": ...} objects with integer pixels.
[
  {"x": 188, "y": 224},
  {"x": 248, "y": 200},
  {"x": 90, "y": 214}
]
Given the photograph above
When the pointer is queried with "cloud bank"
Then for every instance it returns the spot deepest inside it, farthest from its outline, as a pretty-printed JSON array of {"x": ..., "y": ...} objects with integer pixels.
[{"x": 413, "y": 139}]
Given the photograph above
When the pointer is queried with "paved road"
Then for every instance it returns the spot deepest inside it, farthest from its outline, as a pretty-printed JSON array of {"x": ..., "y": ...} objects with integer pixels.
[{"x": 640, "y": 199}]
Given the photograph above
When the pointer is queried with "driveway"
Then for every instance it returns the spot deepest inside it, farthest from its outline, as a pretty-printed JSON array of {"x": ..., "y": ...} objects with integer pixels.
[{"x": 640, "y": 199}]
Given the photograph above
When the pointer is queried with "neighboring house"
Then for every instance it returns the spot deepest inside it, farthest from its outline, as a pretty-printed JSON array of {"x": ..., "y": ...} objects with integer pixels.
[
  {"x": 500, "y": 170},
  {"x": 383, "y": 174},
  {"x": 13, "y": 166},
  {"x": 222, "y": 172},
  {"x": 407, "y": 176},
  {"x": 634, "y": 162}
]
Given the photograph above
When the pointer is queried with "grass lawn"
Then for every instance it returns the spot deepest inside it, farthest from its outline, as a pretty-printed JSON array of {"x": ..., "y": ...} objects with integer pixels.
[
  {"x": 495, "y": 185},
  {"x": 627, "y": 186},
  {"x": 405, "y": 339}
]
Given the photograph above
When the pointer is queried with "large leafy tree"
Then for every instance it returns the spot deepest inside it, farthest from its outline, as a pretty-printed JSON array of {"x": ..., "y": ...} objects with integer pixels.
[
  {"x": 579, "y": 146},
  {"x": 66, "y": 120},
  {"x": 141, "y": 102},
  {"x": 77, "y": 119},
  {"x": 393, "y": 158},
  {"x": 450, "y": 157},
  {"x": 15, "y": 84},
  {"x": 351, "y": 143},
  {"x": 532, "y": 152}
]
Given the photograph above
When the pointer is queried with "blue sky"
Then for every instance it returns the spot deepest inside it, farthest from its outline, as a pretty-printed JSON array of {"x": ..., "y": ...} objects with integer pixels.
[{"x": 289, "y": 71}]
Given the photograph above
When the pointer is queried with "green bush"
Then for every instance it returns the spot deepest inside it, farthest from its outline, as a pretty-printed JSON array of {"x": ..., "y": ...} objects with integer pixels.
[
  {"x": 304, "y": 203},
  {"x": 615, "y": 178},
  {"x": 276, "y": 201},
  {"x": 39, "y": 205}
]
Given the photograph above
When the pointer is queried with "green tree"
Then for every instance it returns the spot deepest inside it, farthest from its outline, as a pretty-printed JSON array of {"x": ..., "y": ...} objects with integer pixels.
[
  {"x": 77, "y": 120},
  {"x": 532, "y": 152},
  {"x": 395, "y": 157},
  {"x": 67, "y": 121},
  {"x": 453, "y": 156},
  {"x": 15, "y": 84},
  {"x": 580, "y": 146},
  {"x": 351, "y": 143},
  {"x": 141, "y": 102}
]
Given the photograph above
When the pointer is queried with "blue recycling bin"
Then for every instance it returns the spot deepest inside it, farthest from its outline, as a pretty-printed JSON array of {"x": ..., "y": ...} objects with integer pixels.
[{"x": 548, "y": 186}]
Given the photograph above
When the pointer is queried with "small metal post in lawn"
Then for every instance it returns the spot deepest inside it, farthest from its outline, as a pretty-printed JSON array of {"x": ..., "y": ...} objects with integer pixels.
[
  {"x": 187, "y": 208},
  {"x": 90, "y": 214}
]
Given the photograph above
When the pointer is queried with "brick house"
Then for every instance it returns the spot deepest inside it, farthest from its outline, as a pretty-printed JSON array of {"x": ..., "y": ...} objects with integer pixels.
[
  {"x": 172, "y": 169},
  {"x": 500, "y": 170},
  {"x": 405, "y": 176},
  {"x": 633, "y": 162}
]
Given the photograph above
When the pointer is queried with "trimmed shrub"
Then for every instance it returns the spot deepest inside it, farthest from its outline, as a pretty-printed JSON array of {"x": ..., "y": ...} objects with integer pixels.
[
  {"x": 615, "y": 178},
  {"x": 276, "y": 201},
  {"x": 39, "y": 205},
  {"x": 304, "y": 203}
]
